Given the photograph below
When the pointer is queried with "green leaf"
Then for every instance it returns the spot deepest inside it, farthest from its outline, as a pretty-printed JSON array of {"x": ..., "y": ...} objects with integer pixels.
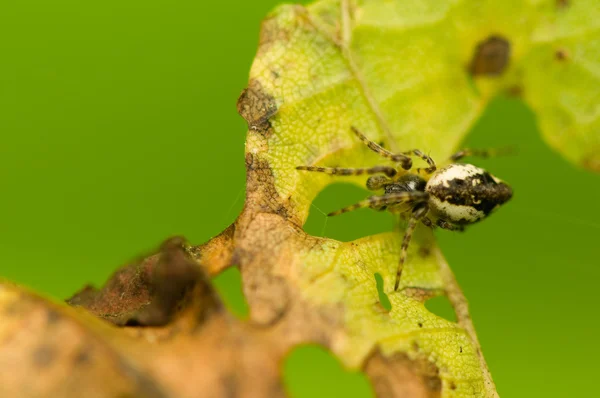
[{"x": 410, "y": 74}]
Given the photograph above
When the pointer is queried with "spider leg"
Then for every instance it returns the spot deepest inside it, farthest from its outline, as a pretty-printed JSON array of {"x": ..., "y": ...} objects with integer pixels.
[
  {"x": 428, "y": 223},
  {"x": 377, "y": 182},
  {"x": 375, "y": 202},
  {"x": 450, "y": 227},
  {"x": 432, "y": 167},
  {"x": 482, "y": 153},
  {"x": 387, "y": 170},
  {"x": 442, "y": 224},
  {"x": 404, "y": 160},
  {"x": 401, "y": 157},
  {"x": 418, "y": 214}
]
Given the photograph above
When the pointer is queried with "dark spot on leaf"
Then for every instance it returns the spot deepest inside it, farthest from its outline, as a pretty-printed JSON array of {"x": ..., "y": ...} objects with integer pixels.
[
  {"x": 44, "y": 355},
  {"x": 257, "y": 106},
  {"x": 592, "y": 162},
  {"x": 561, "y": 55},
  {"x": 452, "y": 385},
  {"x": 83, "y": 356},
  {"x": 52, "y": 316},
  {"x": 399, "y": 376},
  {"x": 560, "y": 4},
  {"x": 424, "y": 251},
  {"x": 230, "y": 385},
  {"x": 491, "y": 57},
  {"x": 271, "y": 32},
  {"x": 461, "y": 349},
  {"x": 515, "y": 91},
  {"x": 421, "y": 294},
  {"x": 420, "y": 324},
  {"x": 11, "y": 308},
  {"x": 260, "y": 186}
]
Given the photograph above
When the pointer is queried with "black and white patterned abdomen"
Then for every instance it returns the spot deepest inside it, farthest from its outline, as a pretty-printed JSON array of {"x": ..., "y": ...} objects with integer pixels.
[{"x": 464, "y": 194}]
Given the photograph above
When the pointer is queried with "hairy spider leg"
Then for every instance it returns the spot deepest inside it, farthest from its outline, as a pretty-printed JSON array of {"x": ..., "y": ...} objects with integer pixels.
[
  {"x": 442, "y": 224},
  {"x": 428, "y": 223},
  {"x": 482, "y": 153},
  {"x": 401, "y": 157},
  {"x": 404, "y": 160},
  {"x": 449, "y": 226},
  {"x": 387, "y": 170},
  {"x": 417, "y": 215},
  {"x": 432, "y": 167},
  {"x": 378, "y": 201},
  {"x": 377, "y": 182}
]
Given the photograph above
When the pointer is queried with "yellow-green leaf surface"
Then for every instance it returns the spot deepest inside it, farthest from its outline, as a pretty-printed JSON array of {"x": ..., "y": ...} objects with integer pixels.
[{"x": 402, "y": 72}]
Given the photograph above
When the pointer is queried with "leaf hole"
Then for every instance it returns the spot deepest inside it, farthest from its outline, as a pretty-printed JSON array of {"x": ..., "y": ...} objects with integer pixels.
[
  {"x": 348, "y": 226},
  {"x": 310, "y": 371},
  {"x": 383, "y": 298},
  {"x": 441, "y": 307},
  {"x": 228, "y": 285}
]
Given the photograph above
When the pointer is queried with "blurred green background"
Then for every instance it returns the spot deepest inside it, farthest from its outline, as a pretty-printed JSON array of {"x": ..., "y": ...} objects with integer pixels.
[{"x": 118, "y": 129}]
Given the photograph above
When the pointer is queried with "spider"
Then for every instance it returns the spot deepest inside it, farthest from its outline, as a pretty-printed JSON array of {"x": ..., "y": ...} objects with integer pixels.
[{"x": 450, "y": 197}]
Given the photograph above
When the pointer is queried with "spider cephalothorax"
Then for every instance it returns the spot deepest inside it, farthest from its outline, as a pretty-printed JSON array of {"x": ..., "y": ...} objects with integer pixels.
[{"x": 450, "y": 198}]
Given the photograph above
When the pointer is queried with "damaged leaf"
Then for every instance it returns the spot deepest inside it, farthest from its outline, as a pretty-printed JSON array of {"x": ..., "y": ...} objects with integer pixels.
[{"x": 410, "y": 74}]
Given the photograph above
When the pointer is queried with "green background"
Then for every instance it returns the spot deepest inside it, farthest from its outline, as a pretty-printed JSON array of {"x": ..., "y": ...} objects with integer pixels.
[{"x": 118, "y": 129}]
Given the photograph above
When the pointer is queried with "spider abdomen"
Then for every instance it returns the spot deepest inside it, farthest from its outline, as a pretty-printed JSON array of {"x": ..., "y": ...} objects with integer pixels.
[{"x": 464, "y": 194}]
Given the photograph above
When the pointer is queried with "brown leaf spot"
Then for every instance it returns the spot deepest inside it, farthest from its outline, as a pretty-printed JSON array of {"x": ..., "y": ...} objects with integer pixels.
[
  {"x": 52, "y": 316},
  {"x": 592, "y": 162},
  {"x": 257, "y": 106},
  {"x": 270, "y": 33},
  {"x": 515, "y": 91},
  {"x": 398, "y": 376},
  {"x": 83, "y": 356},
  {"x": 10, "y": 309},
  {"x": 491, "y": 57},
  {"x": 380, "y": 308},
  {"x": 44, "y": 355},
  {"x": 421, "y": 294},
  {"x": 260, "y": 187},
  {"x": 424, "y": 251},
  {"x": 561, "y": 55}
]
